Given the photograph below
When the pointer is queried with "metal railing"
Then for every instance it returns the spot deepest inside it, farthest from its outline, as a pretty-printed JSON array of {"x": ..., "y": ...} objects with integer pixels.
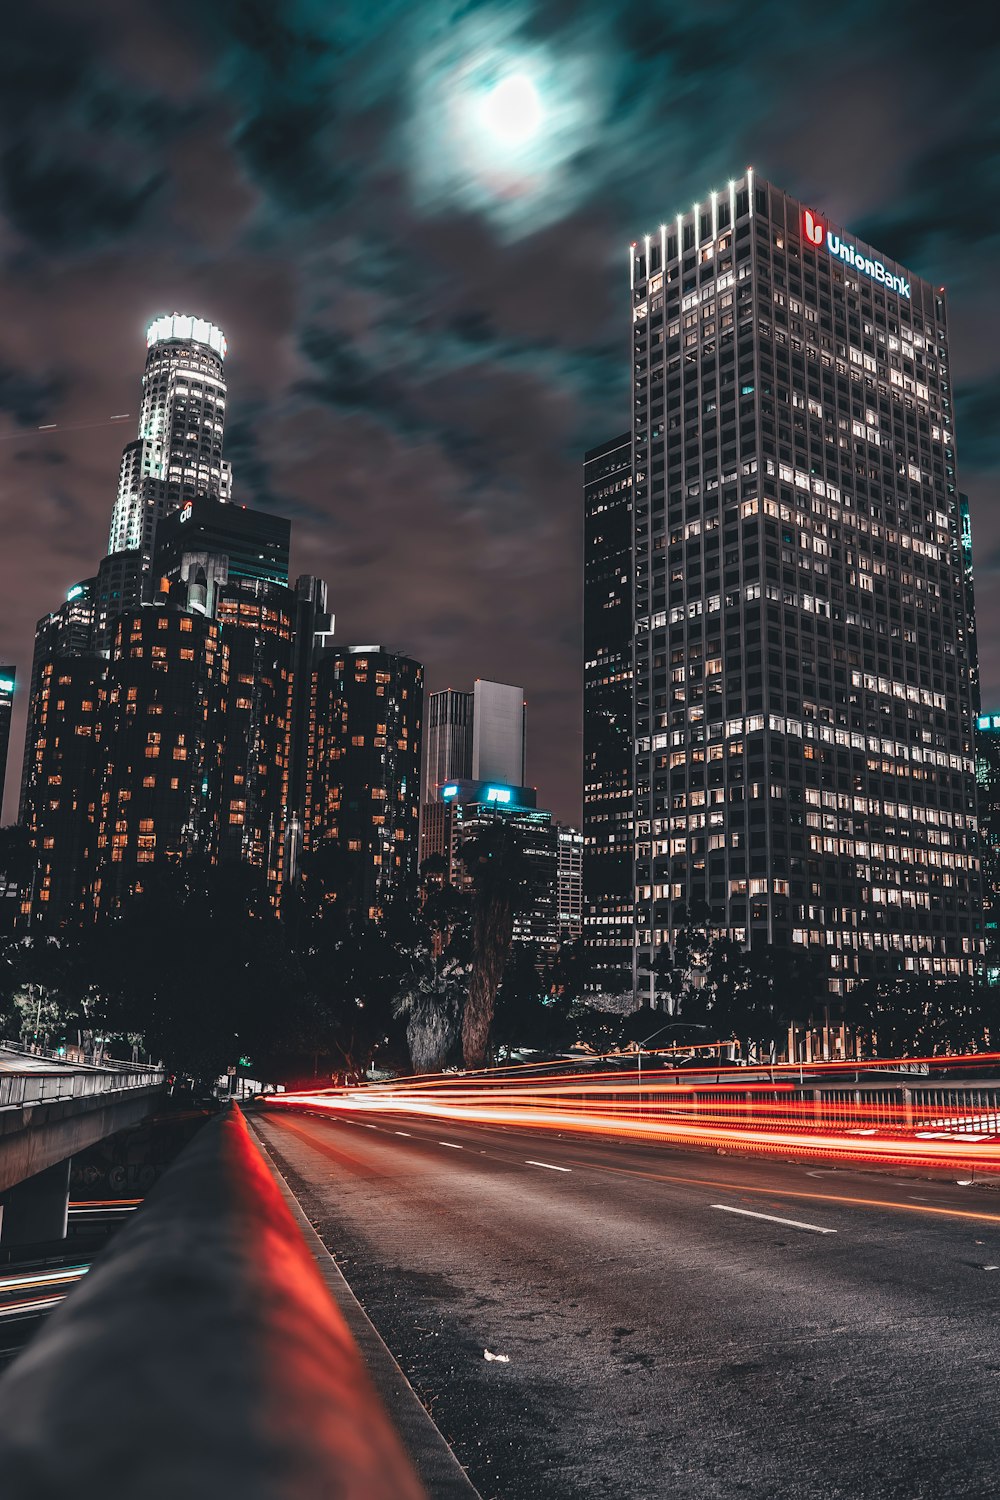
[{"x": 20, "y": 1089}]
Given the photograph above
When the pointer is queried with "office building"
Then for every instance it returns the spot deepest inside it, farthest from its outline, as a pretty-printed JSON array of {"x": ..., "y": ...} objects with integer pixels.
[
  {"x": 477, "y": 735},
  {"x": 257, "y": 621},
  {"x": 988, "y": 796},
  {"x": 8, "y": 677},
  {"x": 363, "y": 771},
  {"x": 608, "y": 844},
  {"x": 449, "y": 740},
  {"x": 804, "y": 751},
  {"x": 59, "y": 787},
  {"x": 313, "y": 637},
  {"x": 971, "y": 637},
  {"x": 253, "y": 543},
  {"x": 160, "y": 752},
  {"x": 67, "y": 631},
  {"x": 463, "y": 810},
  {"x": 569, "y": 891},
  {"x": 177, "y": 455},
  {"x": 498, "y": 720}
]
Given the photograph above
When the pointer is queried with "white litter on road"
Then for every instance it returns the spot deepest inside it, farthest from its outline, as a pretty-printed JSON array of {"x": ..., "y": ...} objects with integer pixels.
[{"x": 499, "y": 1359}]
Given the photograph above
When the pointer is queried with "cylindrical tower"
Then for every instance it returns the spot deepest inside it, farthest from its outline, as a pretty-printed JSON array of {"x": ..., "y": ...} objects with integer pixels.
[{"x": 178, "y": 453}]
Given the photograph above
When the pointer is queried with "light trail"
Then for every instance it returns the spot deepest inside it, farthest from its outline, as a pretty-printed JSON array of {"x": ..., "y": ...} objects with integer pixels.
[{"x": 867, "y": 1118}]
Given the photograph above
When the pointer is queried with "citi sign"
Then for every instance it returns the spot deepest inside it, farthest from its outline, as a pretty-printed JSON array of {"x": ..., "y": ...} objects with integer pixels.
[{"x": 815, "y": 232}]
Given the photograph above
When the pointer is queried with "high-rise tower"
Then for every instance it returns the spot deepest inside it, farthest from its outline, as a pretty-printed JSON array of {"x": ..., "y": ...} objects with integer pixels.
[
  {"x": 803, "y": 706},
  {"x": 607, "y": 714},
  {"x": 177, "y": 455}
]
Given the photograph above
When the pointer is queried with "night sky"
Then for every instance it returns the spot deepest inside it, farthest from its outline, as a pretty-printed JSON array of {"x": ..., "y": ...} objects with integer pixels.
[{"x": 427, "y": 323}]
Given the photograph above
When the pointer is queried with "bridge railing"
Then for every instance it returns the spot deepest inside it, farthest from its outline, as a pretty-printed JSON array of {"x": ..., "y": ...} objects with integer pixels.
[
  {"x": 201, "y": 1356},
  {"x": 72, "y": 1057},
  {"x": 19, "y": 1089}
]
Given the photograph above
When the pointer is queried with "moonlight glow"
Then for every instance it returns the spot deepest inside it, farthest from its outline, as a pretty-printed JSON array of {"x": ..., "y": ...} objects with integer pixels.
[
  {"x": 500, "y": 122},
  {"x": 511, "y": 111}
]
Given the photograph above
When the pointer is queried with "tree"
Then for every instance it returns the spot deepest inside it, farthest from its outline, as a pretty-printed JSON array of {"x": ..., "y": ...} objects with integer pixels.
[{"x": 502, "y": 883}]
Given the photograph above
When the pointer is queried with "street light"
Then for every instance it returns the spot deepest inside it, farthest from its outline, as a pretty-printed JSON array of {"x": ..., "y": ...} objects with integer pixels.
[{"x": 670, "y": 1026}]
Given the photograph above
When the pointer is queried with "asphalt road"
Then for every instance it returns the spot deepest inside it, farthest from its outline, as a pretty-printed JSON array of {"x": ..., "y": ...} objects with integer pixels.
[{"x": 667, "y": 1334}]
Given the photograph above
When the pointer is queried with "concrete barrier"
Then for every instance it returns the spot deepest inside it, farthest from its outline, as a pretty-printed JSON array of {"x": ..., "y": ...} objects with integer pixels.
[{"x": 201, "y": 1357}]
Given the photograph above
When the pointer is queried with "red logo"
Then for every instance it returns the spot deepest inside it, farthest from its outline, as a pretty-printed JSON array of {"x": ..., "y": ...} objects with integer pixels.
[{"x": 812, "y": 226}]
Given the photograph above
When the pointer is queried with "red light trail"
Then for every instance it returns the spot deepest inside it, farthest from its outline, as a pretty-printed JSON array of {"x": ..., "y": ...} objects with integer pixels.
[{"x": 874, "y": 1113}]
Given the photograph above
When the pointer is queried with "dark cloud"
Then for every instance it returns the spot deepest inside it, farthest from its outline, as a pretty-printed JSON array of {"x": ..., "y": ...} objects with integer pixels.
[{"x": 426, "y": 331}]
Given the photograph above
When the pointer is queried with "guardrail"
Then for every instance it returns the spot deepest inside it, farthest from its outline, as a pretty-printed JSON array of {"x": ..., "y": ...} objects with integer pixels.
[
  {"x": 201, "y": 1356},
  {"x": 51, "y": 1054},
  {"x": 20, "y": 1089}
]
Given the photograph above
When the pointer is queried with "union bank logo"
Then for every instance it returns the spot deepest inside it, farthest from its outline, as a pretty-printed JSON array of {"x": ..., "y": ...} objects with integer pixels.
[
  {"x": 812, "y": 227},
  {"x": 816, "y": 232}
]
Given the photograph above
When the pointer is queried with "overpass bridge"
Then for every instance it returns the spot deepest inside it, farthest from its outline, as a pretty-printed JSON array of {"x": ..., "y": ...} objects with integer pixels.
[{"x": 50, "y": 1109}]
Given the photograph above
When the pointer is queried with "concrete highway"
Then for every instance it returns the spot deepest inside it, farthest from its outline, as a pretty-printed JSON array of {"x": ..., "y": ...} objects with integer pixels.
[{"x": 675, "y": 1324}]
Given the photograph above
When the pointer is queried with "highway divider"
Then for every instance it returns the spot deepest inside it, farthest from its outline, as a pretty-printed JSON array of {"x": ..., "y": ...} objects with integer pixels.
[{"x": 202, "y": 1356}]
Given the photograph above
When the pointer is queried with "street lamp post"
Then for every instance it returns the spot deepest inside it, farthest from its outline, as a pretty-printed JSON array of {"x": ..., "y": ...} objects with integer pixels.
[{"x": 670, "y": 1026}]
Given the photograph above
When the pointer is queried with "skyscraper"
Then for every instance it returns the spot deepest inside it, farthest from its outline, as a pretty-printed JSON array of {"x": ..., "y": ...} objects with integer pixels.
[
  {"x": 988, "y": 797},
  {"x": 449, "y": 739},
  {"x": 177, "y": 455},
  {"x": 803, "y": 706},
  {"x": 8, "y": 676},
  {"x": 59, "y": 787},
  {"x": 363, "y": 770},
  {"x": 473, "y": 736},
  {"x": 498, "y": 715},
  {"x": 464, "y": 809},
  {"x": 257, "y": 621},
  {"x": 159, "y": 758},
  {"x": 67, "y": 631},
  {"x": 607, "y": 714},
  {"x": 254, "y": 543},
  {"x": 569, "y": 890},
  {"x": 176, "y": 458}
]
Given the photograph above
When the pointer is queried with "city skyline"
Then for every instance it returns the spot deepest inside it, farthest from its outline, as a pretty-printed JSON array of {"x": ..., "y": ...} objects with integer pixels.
[{"x": 282, "y": 224}]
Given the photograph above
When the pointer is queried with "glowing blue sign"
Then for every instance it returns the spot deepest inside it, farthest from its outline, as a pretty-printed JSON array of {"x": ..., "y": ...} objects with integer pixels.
[
  {"x": 6, "y": 684},
  {"x": 988, "y": 721},
  {"x": 75, "y": 592},
  {"x": 498, "y": 794},
  {"x": 449, "y": 791}
]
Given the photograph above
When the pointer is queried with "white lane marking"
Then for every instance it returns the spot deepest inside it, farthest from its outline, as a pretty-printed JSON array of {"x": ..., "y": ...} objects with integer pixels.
[
  {"x": 451, "y": 1145},
  {"x": 365, "y": 1126},
  {"x": 773, "y": 1219},
  {"x": 406, "y": 1133},
  {"x": 548, "y": 1166}
]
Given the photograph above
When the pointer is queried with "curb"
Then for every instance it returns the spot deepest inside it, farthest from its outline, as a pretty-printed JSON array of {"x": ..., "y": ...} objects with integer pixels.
[{"x": 436, "y": 1464}]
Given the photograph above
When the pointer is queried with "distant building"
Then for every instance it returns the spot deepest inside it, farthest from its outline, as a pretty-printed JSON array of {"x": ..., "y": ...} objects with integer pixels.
[
  {"x": 988, "y": 799},
  {"x": 8, "y": 676},
  {"x": 449, "y": 740},
  {"x": 473, "y": 736},
  {"x": 608, "y": 843},
  {"x": 498, "y": 716},
  {"x": 313, "y": 637},
  {"x": 463, "y": 810},
  {"x": 363, "y": 770},
  {"x": 569, "y": 899},
  {"x": 971, "y": 637}
]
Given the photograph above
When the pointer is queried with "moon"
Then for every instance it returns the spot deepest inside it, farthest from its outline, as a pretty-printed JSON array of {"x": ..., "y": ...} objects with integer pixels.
[{"x": 512, "y": 111}]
